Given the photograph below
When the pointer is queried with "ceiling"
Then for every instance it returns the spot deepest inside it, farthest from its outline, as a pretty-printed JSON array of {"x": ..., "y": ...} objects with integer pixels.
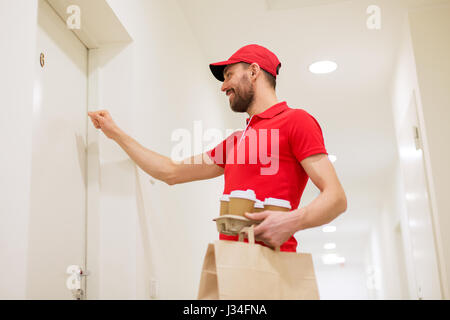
[{"x": 352, "y": 104}]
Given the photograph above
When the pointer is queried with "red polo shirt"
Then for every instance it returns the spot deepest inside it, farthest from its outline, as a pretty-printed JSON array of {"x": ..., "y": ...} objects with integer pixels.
[{"x": 265, "y": 157}]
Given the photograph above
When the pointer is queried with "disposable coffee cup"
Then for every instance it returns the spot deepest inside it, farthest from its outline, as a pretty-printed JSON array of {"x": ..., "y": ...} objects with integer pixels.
[
  {"x": 241, "y": 202},
  {"x": 224, "y": 204},
  {"x": 277, "y": 204},
  {"x": 259, "y": 206}
]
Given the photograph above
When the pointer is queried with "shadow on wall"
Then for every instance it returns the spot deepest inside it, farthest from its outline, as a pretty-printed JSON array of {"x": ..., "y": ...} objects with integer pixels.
[
  {"x": 114, "y": 174},
  {"x": 148, "y": 265},
  {"x": 81, "y": 152}
]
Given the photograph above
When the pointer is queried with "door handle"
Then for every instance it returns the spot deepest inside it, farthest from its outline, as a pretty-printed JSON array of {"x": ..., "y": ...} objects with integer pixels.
[{"x": 73, "y": 282}]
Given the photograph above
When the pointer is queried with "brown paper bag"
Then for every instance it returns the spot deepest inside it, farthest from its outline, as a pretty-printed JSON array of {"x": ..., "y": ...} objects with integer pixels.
[{"x": 235, "y": 270}]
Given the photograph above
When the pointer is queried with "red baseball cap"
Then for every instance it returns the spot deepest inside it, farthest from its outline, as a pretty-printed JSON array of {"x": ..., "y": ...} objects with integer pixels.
[{"x": 266, "y": 60}]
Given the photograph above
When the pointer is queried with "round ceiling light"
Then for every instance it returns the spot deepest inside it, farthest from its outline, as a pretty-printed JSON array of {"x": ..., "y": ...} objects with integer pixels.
[{"x": 322, "y": 67}]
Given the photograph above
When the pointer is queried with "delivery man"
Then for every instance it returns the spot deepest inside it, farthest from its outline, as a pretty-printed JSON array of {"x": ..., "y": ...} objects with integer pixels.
[{"x": 292, "y": 139}]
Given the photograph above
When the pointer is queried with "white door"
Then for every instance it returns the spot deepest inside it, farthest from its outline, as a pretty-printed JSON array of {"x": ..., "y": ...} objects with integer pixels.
[
  {"x": 58, "y": 186},
  {"x": 418, "y": 206}
]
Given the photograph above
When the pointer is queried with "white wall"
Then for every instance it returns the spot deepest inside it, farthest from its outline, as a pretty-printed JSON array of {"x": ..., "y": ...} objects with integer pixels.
[
  {"x": 147, "y": 230},
  {"x": 383, "y": 261},
  {"x": 430, "y": 30},
  {"x": 405, "y": 262},
  {"x": 18, "y": 24},
  {"x": 404, "y": 82},
  {"x": 425, "y": 48},
  {"x": 338, "y": 282}
]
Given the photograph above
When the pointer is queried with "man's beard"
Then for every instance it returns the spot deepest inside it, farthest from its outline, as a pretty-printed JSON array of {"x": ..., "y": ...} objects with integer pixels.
[{"x": 243, "y": 97}]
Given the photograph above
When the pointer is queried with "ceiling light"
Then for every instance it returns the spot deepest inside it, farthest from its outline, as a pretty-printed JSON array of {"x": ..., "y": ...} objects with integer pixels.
[
  {"x": 332, "y": 157},
  {"x": 322, "y": 67},
  {"x": 329, "y": 229},
  {"x": 329, "y": 246}
]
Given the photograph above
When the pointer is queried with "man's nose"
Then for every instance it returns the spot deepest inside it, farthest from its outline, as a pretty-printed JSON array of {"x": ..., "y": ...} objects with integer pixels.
[{"x": 224, "y": 87}]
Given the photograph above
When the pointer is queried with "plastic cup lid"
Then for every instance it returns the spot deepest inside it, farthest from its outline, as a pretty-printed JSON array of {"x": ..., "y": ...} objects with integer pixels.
[
  {"x": 249, "y": 194},
  {"x": 225, "y": 197},
  {"x": 259, "y": 204},
  {"x": 277, "y": 202}
]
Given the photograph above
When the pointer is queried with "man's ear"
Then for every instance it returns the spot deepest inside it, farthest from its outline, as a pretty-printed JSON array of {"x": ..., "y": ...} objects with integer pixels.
[{"x": 254, "y": 68}]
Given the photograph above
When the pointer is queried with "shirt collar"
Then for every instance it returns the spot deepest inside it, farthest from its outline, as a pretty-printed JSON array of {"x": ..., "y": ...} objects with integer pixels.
[{"x": 272, "y": 111}]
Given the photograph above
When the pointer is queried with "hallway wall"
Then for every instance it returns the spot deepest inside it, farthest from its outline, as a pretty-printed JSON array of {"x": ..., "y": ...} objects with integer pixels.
[
  {"x": 423, "y": 66},
  {"x": 18, "y": 24}
]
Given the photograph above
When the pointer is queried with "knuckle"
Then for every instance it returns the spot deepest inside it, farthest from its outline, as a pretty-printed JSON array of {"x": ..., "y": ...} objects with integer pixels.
[
  {"x": 265, "y": 235},
  {"x": 261, "y": 229}
]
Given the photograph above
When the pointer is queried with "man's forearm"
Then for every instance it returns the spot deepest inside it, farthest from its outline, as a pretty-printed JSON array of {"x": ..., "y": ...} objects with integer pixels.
[
  {"x": 155, "y": 164},
  {"x": 322, "y": 210}
]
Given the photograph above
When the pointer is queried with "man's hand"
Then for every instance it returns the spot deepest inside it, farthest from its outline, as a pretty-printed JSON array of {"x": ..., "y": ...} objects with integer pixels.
[
  {"x": 102, "y": 120},
  {"x": 276, "y": 228}
]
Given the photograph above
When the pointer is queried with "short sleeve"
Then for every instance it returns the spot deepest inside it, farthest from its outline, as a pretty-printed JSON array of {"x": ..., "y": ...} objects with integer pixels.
[
  {"x": 219, "y": 153},
  {"x": 305, "y": 138}
]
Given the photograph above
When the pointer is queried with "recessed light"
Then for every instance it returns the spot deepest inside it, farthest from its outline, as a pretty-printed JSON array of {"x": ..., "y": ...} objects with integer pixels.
[
  {"x": 329, "y": 229},
  {"x": 329, "y": 246},
  {"x": 322, "y": 67},
  {"x": 332, "y": 157}
]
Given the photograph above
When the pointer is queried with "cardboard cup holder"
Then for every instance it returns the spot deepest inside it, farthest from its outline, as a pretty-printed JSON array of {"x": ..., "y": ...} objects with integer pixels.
[{"x": 232, "y": 224}]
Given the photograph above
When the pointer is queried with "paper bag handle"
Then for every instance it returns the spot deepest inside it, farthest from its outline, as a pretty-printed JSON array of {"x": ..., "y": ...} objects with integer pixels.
[{"x": 251, "y": 236}]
